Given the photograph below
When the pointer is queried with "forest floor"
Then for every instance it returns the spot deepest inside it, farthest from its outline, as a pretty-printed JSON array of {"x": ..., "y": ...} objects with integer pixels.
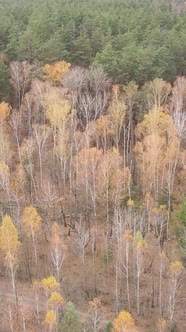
[{"x": 73, "y": 285}]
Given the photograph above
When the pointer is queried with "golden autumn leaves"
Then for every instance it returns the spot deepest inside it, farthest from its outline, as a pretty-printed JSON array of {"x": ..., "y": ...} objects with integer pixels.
[
  {"x": 124, "y": 322},
  {"x": 54, "y": 300},
  {"x": 10, "y": 251},
  {"x": 5, "y": 109},
  {"x": 56, "y": 71},
  {"x": 10, "y": 244},
  {"x": 94, "y": 159},
  {"x": 156, "y": 150}
]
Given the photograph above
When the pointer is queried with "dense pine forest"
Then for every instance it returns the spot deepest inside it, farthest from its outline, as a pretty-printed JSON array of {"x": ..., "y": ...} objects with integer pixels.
[
  {"x": 135, "y": 40},
  {"x": 92, "y": 166}
]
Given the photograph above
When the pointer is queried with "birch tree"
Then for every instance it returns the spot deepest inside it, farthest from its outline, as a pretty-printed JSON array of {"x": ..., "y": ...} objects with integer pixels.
[
  {"x": 20, "y": 78},
  {"x": 5, "y": 181},
  {"x": 156, "y": 151},
  {"x": 157, "y": 92},
  {"x": 31, "y": 227},
  {"x": 55, "y": 303},
  {"x": 27, "y": 158},
  {"x": 117, "y": 112},
  {"x": 129, "y": 98},
  {"x": 95, "y": 314},
  {"x": 139, "y": 247},
  {"x": 5, "y": 150},
  {"x": 59, "y": 113},
  {"x": 178, "y": 104},
  {"x": 57, "y": 251},
  {"x": 10, "y": 246},
  {"x": 40, "y": 135},
  {"x": 176, "y": 269},
  {"x": 82, "y": 239},
  {"x": 127, "y": 240}
]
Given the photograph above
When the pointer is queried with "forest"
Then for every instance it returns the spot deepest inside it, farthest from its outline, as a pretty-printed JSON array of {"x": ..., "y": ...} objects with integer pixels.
[
  {"x": 134, "y": 40},
  {"x": 92, "y": 166}
]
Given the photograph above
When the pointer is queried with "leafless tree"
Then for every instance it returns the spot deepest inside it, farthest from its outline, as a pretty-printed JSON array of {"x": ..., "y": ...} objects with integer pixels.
[
  {"x": 20, "y": 78},
  {"x": 178, "y": 106},
  {"x": 40, "y": 134},
  {"x": 89, "y": 92},
  {"x": 57, "y": 251},
  {"x": 82, "y": 239}
]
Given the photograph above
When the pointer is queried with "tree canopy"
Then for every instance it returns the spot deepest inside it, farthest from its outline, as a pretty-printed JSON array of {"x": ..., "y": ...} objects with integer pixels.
[{"x": 133, "y": 40}]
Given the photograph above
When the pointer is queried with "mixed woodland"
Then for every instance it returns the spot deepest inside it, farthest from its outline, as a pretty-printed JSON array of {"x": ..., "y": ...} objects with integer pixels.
[{"x": 92, "y": 166}]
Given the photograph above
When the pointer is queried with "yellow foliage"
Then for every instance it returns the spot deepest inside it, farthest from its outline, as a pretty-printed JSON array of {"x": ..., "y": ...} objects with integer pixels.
[
  {"x": 36, "y": 285},
  {"x": 117, "y": 110},
  {"x": 62, "y": 146},
  {"x": 56, "y": 71},
  {"x": 163, "y": 207},
  {"x": 117, "y": 106},
  {"x": 124, "y": 322},
  {"x": 113, "y": 176},
  {"x": 176, "y": 267},
  {"x": 130, "y": 202},
  {"x": 4, "y": 169},
  {"x": 5, "y": 109},
  {"x": 9, "y": 242},
  {"x": 50, "y": 318},
  {"x": 139, "y": 241},
  {"x": 155, "y": 210},
  {"x": 104, "y": 126},
  {"x": 156, "y": 149},
  {"x": 156, "y": 121},
  {"x": 55, "y": 299},
  {"x": 157, "y": 91},
  {"x": 4, "y": 174},
  {"x": 31, "y": 220},
  {"x": 161, "y": 324},
  {"x": 50, "y": 283},
  {"x": 57, "y": 110}
]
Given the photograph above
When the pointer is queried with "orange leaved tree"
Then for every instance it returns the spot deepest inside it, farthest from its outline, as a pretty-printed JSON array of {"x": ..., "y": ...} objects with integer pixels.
[
  {"x": 56, "y": 71},
  {"x": 124, "y": 322}
]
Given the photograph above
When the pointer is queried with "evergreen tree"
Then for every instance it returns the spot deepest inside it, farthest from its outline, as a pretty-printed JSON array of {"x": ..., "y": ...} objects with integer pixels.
[
  {"x": 4, "y": 83},
  {"x": 181, "y": 228},
  {"x": 70, "y": 322}
]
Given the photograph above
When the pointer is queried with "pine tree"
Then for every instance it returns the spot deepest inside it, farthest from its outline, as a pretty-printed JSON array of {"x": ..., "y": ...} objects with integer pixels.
[{"x": 70, "y": 321}]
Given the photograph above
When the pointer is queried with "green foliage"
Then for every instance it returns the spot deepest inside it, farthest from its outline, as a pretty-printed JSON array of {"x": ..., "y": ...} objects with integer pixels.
[
  {"x": 181, "y": 214},
  {"x": 70, "y": 322},
  {"x": 174, "y": 327},
  {"x": 163, "y": 197},
  {"x": 150, "y": 42},
  {"x": 152, "y": 329},
  {"x": 180, "y": 229},
  {"x": 108, "y": 254},
  {"x": 109, "y": 327},
  {"x": 4, "y": 83}
]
